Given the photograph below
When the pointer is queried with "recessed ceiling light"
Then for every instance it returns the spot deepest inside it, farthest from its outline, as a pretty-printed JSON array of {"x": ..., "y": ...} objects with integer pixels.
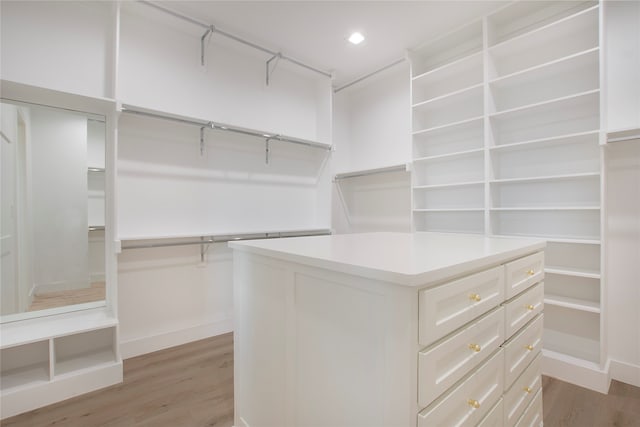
[{"x": 356, "y": 38}]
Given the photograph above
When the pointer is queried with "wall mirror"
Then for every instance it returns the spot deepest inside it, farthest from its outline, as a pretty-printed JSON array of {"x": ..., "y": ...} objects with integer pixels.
[{"x": 53, "y": 211}]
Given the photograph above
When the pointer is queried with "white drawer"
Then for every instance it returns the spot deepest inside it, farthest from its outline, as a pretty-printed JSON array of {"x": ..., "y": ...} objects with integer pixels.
[
  {"x": 523, "y": 308},
  {"x": 521, "y": 349},
  {"x": 470, "y": 401},
  {"x": 524, "y": 272},
  {"x": 518, "y": 397},
  {"x": 533, "y": 414},
  {"x": 447, "y": 307},
  {"x": 444, "y": 364},
  {"x": 494, "y": 417}
]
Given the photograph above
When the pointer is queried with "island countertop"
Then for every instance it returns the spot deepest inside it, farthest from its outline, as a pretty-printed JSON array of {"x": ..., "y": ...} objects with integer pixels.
[{"x": 410, "y": 259}]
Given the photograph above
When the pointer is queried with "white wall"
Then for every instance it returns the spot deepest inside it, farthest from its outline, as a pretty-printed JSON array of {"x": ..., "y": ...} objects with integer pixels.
[
  {"x": 59, "y": 198},
  {"x": 371, "y": 129},
  {"x": 623, "y": 258},
  {"x": 622, "y": 43},
  {"x": 58, "y": 45}
]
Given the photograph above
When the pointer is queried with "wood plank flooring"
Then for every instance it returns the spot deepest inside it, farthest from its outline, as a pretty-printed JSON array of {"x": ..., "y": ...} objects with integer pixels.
[{"x": 192, "y": 386}]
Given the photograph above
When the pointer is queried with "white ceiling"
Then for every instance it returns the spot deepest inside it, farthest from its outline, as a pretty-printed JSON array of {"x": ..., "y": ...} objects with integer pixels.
[{"x": 315, "y": 32}]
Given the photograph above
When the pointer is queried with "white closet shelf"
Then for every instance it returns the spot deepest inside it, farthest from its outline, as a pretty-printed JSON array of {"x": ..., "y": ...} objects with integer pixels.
[
  {"x": 449, "y": 155},
  {"x": 545, "y": 178},
  {"x": 542, "y": 141},
  {"x": 38, "y": 329},
  {"x": 530, "y": 108},
  {"x": 623, "y": 135},
  {"x": 461, "y": 93},
  {"x": 208, "y": 124},
  {"x": 545, "y": 34},
  {"x": 450, "y": 210},
  {"x": 572, "y": 303},
  {"x": 452, "y": 185},
  {"x": 551, "y": 239},
  {"x": 449, "y": 125},
  {"x": 549, "y": 208},
  {"x": 86, "y": 361},
  {"x": 567, "y": 358},
  {"x": 564, "y": 64},
  {"x": 25, "y": 377},
  {"x": 589, "y": 274},
  {"x": 403, "y": 167},
  {"x": 447, "y": 68}
]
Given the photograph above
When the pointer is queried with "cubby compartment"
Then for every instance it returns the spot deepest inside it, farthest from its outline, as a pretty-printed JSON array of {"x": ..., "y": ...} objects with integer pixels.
[
  {"x": 24, "y": 365},
  {"x": 450, "y": 170},
  {"x": 574, "y": 155},
  {"x": 565, "y": 116},
  {"x": 572, "y": 332},
  {"x": 450, "y": 221},
  {"x": 564, "y": 77},
  {"x": 526, "y": 16},
  {"x": 560, "y": 193},
  {"x": 576, "y": 258},
  {"x": 461, "y": 197},
  {"x": 465, "y": 136},
  {"x": 567, "y": 224},
  {"x": 447, "y": 49},
  {"x": 453, "y": 77},
  {"x": 555, "y": 40},
  {"x": 448, "y": 109},
  {"x": 579, "y": 293},
  {"x": 87, "y": 350}
]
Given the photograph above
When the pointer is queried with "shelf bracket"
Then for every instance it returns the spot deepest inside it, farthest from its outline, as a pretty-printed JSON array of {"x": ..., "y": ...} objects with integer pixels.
[
  {"x": 266, "y": 151},
  {"x": 277, "y": 57},
  {"x": 202, "y": 141},
  {"x": 204, "y": 247},
  {"x": 210, "y": 30}
]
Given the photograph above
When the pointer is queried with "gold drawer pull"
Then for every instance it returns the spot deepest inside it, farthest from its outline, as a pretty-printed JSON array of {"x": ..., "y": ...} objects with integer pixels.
[
  {"x": 475, "y": 347},
  {"x": 530, "y": 272},
  {"x": 530, "y": 307},
  {"x": 528, "y": 390},
  {"x": 474, "y": 403},
  {"x": 529, "y": 347},
  {"x": 475, "y": 297}
]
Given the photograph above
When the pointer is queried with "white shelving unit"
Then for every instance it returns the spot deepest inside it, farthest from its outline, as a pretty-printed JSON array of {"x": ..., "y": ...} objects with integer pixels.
[{"x": 510, "y": 145}]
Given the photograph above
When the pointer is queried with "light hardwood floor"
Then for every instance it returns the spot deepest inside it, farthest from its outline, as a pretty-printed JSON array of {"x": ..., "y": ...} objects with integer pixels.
[{"x": 192, "y": 385}]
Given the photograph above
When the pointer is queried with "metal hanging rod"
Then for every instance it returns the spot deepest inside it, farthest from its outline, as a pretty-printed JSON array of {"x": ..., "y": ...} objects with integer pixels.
[
  {"x": 96, "y": 228},
  {"x": 371, "y": 74},
  {"x": 395, "y": 168},
  {"x": 213, "y": 29},
  {"x": 222, "y": 238},
  {"x": 227, "y": 128}
]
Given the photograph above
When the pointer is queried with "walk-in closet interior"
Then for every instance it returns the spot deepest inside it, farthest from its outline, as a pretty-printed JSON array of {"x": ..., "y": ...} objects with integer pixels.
[{"x": 144, "y": 142}]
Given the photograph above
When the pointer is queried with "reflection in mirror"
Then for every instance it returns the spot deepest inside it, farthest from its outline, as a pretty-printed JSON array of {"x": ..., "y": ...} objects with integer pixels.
[{"x": 53, "y": 211}]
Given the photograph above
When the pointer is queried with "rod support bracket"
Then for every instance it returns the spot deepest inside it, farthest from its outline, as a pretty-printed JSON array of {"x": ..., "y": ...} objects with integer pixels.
[
  {"x": 210, "y": 30},
  {"x": 266, "y": 150},
  {"x": 269, "y": 70},
  {"x": 202, "y": 140}
]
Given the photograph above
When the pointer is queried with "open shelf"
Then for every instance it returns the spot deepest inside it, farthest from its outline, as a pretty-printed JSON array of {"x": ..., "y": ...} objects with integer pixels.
[
  {"x": 546, "y": 178},
  {"x": 572, "y": 332},
  {"x": 451, "y": 77},
  {"x": 450, "y": 210},
  {"x": 24, "y": 365},
  {"x": 555, "y": 139},
  {"x": 578, "y": 73},
  {"x": 569, "y": 224},
  {"x": 550, "y": 208},
  {"x": 463, "y": 221},
  {"x": 573, "y": 288},
  {"x": 447, "y": 49},
  {"x": 456, "y": 197},
  {"x": 450, "y": 109},
  {"x": 450, "y": 170},
  {"x": 561, "y": 271},
  {"x": 451, "y": 185},
  {"x": 583, "y": 259},
  {"x": 581, "y": 192},
  {"x": 448, "y": 155},
  {"x": 558, "y": 39},
  {"x": 88, "y": 350},
  {"x": 572, "y": 303},
  {"x": 464, "y": 136}
]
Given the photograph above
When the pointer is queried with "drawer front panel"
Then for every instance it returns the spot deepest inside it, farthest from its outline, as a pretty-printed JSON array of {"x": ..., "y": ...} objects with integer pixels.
[
  {"x": 533, "y": 414},
  {"x": 524, "y": 272},
  {"x": 521, "y": 349},
  {"x": 523, "y": 308},
  {"x": 444, "y": 364},
  {"x": 520, "y": 395},
  {"x": 494, "y": 417},
  {"x": 447, "y": 307},
  {"x": 471, "y": 401}
]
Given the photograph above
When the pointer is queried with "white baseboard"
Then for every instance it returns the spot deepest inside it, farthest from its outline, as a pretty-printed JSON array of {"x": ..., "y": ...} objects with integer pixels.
[
  {"x": 624, "y": 372},
  {"x": 139, "y": 346},
  {"x": 575, "y": 371}
]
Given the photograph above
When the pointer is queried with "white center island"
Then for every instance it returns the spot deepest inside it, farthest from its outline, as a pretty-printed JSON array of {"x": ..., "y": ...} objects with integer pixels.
[{"x": 388, "y": 329}]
